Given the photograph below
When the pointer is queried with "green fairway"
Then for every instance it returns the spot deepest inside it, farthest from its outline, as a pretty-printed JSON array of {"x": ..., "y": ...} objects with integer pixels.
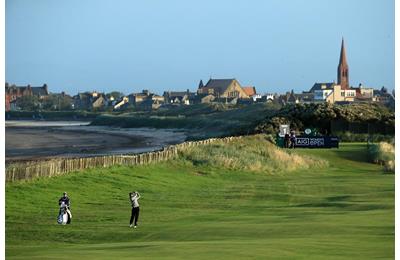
[{"x": 194, "y": 211}]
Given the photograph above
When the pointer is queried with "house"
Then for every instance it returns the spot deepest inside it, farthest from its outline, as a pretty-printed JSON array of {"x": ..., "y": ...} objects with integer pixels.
[
  {"x": 150, "y": 104},
  {"x": 305, "y": 97},
  {"x": 268, "y": 97},
  {"x": 204, "y": 98},
  {"x": 83, "y": 101},
  {"x": 100, "y": 102},
  {"x": 120, "y": 103},
  {"x": 40, "y": 92},
  {"x": 332, "y": 92},
  {"x": 231, "y": 100},
  {"x": 322, "y": 91},
  {"x": 222, "y": 88},
  {"x": 137, "y": 98},
  {"x": 89, "y": 101},
  {"x": 176, "y": 97},
  {"x": 288, "y": 98},
  {"x": 364, "y": 92},
  {"x": 252, "y": 93},
  {"x": 384, "y": 97},
  {"x": 12, "y": 92},
  {"x": 145, "y": 100}
]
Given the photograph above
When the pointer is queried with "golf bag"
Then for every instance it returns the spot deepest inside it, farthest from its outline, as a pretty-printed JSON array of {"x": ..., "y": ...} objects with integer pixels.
[{"x": 64, "y": 215}]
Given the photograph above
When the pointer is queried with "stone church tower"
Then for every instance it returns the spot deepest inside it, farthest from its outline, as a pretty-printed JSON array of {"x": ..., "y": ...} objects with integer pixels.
[{"x": 343, "y": 69}]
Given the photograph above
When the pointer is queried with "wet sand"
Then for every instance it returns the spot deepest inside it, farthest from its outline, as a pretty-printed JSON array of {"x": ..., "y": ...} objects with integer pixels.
[{"x": 31, "y": 140}]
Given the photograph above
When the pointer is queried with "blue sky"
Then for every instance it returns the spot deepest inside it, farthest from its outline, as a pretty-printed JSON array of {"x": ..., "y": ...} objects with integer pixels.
[{"x": 129, "y": 45}]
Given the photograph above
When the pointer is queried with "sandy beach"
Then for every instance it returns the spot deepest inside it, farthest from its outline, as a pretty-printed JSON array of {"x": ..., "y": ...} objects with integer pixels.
[{"x": 31, "y": 140}]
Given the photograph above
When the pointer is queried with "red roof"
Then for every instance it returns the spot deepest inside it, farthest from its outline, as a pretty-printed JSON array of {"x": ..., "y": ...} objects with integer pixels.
[{"x": 250, "y": 91}]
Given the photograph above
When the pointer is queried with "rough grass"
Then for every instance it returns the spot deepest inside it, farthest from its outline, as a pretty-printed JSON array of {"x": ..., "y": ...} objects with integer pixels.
[
  {"x": 383, "y": 153},
  {"x": 344, "y": 211},
  {"x": 254, "y": 153}
]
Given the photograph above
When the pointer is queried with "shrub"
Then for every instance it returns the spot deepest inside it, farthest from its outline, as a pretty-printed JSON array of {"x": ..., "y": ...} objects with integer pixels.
[{"x": 383, "y": 153}]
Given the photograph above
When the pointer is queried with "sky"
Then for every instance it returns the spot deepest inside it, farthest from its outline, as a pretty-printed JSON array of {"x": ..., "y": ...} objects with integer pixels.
[{"x": 129, "y": 45}]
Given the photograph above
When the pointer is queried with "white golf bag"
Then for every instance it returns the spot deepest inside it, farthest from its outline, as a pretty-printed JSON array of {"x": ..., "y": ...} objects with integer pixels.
[{"x": 64, "y": 215}]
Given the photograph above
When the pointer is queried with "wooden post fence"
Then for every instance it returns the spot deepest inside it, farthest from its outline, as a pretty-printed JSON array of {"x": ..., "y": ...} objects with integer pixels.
[{"x": 58, "y": 166}]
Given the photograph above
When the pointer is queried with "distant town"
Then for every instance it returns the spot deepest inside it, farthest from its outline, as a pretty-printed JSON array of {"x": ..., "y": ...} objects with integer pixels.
[{"x": 227, "y": 91}]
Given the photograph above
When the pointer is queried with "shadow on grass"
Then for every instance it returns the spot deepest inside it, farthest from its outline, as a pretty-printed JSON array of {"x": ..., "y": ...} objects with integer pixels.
[
  {"x": 357, "y": 152},
  {"x": 340, "y": 202}
]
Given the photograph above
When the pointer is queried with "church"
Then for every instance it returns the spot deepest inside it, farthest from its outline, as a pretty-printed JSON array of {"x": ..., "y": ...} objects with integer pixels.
[{"x": 336, "y": 92}]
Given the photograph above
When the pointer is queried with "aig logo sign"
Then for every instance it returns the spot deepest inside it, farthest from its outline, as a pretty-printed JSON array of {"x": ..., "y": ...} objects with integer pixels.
[
  {"x": 302, "y": 141},
  {"x": 317, "y": 142}
]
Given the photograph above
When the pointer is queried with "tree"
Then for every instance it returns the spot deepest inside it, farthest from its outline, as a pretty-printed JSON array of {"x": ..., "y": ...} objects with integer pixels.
[
  {"x": 50, "y": 102},
  {"x": 57, "y": 102},
  {"x": 64, "y": 102},
  {"x": 115, "y": 94},
  {"x": 28, "y": 103}
]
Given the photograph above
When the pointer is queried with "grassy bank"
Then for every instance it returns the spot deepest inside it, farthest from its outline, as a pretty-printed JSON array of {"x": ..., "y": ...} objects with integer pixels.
[
  {"x": 252, "y": 154},
  {"x": 352, "y": 123},
  {"x": 191, "y": 208},
  {"x": 204, "y": 120}
]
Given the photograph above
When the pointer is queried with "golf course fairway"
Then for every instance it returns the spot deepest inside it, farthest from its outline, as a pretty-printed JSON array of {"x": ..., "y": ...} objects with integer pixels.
[{"x": 191, "y": 211}]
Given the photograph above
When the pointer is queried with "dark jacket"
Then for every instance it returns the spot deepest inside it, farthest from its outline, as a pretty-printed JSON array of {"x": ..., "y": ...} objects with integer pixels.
[{"x": 65, "y": 199}]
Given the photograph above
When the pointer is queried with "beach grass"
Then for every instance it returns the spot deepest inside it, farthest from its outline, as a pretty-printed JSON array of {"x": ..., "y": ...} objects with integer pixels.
[
  {"x": 383, "y": 153},
  {"x": 343, "y": 210}
]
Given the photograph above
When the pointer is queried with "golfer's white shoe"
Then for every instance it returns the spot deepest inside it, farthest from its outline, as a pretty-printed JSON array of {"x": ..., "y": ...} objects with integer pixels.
[{"x": 130, "y": 225}]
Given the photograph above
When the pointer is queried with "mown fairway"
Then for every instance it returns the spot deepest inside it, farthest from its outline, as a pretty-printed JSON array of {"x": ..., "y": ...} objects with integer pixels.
[{"x": 345, "y": 211}]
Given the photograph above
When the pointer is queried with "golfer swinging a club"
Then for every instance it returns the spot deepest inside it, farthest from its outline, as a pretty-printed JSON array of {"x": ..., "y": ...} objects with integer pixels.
[{"x": 134, "y": 197}]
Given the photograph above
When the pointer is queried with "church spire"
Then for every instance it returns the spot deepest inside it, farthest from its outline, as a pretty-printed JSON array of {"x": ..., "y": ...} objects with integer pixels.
[
  {"x": 343, "y": 59},
  {"x": 343, "y": 68},
  {"x": 201, "y": 85}
]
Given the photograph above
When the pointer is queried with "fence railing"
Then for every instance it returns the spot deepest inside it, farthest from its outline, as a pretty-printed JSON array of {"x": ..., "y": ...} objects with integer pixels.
[{"x": 58, "y": 166}]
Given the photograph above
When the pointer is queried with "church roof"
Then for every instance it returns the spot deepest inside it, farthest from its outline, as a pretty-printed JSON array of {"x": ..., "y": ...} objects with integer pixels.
[{"x": 218, "y": 85}]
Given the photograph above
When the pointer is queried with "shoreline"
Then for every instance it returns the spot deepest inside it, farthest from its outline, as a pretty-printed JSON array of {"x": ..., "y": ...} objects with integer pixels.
[{"x": 27, "y": 142}]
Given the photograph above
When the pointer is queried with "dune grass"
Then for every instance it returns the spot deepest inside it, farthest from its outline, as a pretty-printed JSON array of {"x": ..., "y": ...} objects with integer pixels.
[
  {"x": 383, "y": 153},
  {"x": 254, "y": 153},
  {"x": 200, "y": 211}
]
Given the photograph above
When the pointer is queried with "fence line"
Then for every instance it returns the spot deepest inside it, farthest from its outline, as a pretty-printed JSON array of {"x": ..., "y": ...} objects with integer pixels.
[{"x": 58, "y": 166}]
